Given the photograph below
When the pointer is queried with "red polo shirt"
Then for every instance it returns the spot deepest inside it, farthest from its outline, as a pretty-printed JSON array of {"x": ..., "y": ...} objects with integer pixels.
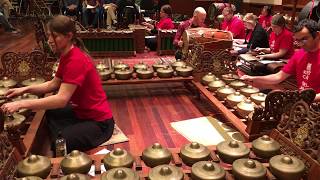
[
  {"x": 165, "y": 23},
  {"x": 282, "y": 41},
  {"x": 89, "y": 98},
  {"x": 235, "y": 26},
  {"x": 306, "y": 67},
  {"x": 265, "y": 21}
]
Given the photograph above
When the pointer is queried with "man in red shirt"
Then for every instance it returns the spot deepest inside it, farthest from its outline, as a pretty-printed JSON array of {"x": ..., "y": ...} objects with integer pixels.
[
  {"x": 304, "y": 64},
  {"x": 233, "y": 24},
  {"x": 199, "y": 16},
  {"x": 280, "y": 40}
]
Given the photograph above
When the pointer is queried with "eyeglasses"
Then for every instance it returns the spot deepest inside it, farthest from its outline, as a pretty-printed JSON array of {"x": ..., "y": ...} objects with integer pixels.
[{"x": 301, "y": 41}]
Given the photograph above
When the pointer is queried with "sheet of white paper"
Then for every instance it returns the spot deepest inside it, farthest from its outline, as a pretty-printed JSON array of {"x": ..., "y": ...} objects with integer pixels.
[
  {"x": 198, "y": 130},
  {"x": 103, "y": 151},
  {"x": 92, "y": 170},
  {"x": 269, "y": 61}
]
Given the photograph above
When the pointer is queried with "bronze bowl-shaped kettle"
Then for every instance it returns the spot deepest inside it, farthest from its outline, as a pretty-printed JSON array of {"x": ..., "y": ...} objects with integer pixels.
[
  {"x": 140, "y": 65},
  {"x": 123, "y": 74},
  {"x": 234, "y": 99},
  {"x": 286, "y": 167},
  {"x": 247, "y": 91},
  {"x": 165, "y": 72},
  {"x": 229, "y": 77},
  {"x": 230, "y": 151},
  {"x": 245, "y": 107},
  {"x": 207, "y": 170},
  {"x": 216, "y": 84},
  {"x": 145, "y": 73},
  {"x": 118, "y": 158},
  {"x": 75, "y": 176},
  {"x": 33, "y": 81},
  {"x": 156, "y": 155},
  {"x": 121, "y": 173},
  {"x": 158, "y": 65},
  {"x": 248, "y": 169},
  {"x": 105, "y": 74},
  {"x": 165, "y": 171},
  {"x": 3, "y": 90},
  {"x": 224, "y": 91},
  {"x": 178, "y": 63},
  {"x": 7, "y": 82},
  {"x": 206, "y": 79},
  {"x": 34, "y": 165},
  {"x": 13, "y": 120},
  {"x": 258, "y": 98},
  {"x": 265, "y": 147},
  {"x": 237, "y": 84},
  {"x": 76, "y": 162},
  {"x": 120, "y": 65},
  {"x": 184, "y": 71},
  {"x": 194, "y": 152},
  {"x": 100, "y": 66}
]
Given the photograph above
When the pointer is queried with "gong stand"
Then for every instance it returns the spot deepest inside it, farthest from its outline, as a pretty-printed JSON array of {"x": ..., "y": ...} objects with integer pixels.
[
  {"x": 9, "y": 155},
  {"x": 211, "y": 57},
  {"x": 23, "y": 65},
  {"x": 302, "y": 128},
  {"x": 277, "y": 106}
]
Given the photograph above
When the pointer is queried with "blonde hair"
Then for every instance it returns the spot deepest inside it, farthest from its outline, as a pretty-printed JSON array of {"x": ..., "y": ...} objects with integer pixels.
[{"x": 250, "y": 18}]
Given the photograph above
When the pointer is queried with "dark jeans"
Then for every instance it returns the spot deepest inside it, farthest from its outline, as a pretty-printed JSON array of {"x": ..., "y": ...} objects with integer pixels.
[
  {"x": 80, "y": 134},
  {"x": 151, "y": 43}
]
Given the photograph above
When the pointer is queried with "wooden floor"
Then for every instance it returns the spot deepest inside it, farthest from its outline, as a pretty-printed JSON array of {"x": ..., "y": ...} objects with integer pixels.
[{"x": 143, "y": 112}]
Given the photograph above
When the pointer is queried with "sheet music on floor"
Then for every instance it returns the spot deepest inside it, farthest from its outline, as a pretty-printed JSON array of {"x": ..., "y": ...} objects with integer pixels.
[{"x": 204, "y": 130}]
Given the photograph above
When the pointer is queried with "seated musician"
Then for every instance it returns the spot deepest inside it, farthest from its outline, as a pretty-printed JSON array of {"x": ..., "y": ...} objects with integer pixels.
[
  {"x": 91, "y": 8},
  {"x": 304, "y": 64},
  {"x": 233, "y": 24},
  {"x": 280, "y": 40},
  {"x": 265, "y": 18},
  {"x": 256, "y": 36},
  {"x": 110, "y": 7},
  {"x": 164, "y": 23},
  {"x": 121, "y": 15},
  {"x": 71, "y": 7},
  {"x": 79, "y": 109},
  {"x": 6, "y": 6},
  {"x": 199, "y": 16}
]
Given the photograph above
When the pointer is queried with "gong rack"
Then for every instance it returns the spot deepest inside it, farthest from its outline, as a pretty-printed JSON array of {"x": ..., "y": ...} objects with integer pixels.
[
  {"x": 287, "y": 147},
  {"x": 23, "y": 65},
  {"x": 263, "y": 120}
]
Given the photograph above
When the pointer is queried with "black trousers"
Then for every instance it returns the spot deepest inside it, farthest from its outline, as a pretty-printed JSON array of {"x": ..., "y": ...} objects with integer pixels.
[{"x": 80, "y": 134}]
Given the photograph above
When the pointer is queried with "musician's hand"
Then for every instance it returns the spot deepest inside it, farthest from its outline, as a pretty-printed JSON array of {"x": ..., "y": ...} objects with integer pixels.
[
  {"x": 180, "y": 43},
  {"x": 261, "y": 57},
  {"x": 247, "y": 78},
  {"x": 10, "y": 108},
  {"x": 16, "y": 92}
]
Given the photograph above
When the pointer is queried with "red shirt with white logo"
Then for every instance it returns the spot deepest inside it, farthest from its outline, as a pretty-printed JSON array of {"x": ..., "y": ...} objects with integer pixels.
[
  {"x": 89, "y": 98},
  {"x": 235, "y": 26},
  {"x": 284, "y": 40},
  {"x": 306, "y": 67}
]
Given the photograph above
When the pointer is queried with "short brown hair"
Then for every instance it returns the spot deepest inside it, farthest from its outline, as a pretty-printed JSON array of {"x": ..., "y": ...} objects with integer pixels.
[
  {"x": 278, "y": 20},
  {"x": 167, "y": 9}
]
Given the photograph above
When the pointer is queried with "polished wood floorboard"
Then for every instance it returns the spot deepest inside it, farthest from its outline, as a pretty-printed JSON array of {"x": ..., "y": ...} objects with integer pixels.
[{"x": 144, "y": 113}]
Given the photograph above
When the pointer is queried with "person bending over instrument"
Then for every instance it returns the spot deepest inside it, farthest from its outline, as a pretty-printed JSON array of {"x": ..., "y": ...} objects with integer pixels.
[
  {"x": 304, "y": 64},
  {"x": 199, "y": 16},
  {"x": 79, "y": 109},
  {"x": 280, "y": 40},
  {"x": 256, "y": 36}
]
